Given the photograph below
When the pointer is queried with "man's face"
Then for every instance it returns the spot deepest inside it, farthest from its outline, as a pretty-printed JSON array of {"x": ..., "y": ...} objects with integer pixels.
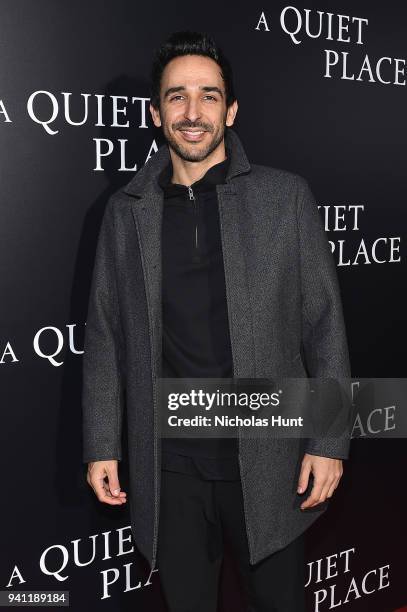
[{"x": 193, "y": 111}]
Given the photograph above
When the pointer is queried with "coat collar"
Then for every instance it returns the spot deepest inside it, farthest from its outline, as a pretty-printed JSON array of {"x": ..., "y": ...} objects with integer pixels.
[
  {"x": 213, "y": 176},
  {"x": 145, "y": 181}
]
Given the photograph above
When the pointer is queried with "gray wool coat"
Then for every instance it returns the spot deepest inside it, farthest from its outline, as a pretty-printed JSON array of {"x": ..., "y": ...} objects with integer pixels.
[{"x": 285, "y": 319}]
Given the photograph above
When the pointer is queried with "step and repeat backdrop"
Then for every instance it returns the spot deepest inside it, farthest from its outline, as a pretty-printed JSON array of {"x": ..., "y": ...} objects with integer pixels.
[{"x": 322, "y": 92}]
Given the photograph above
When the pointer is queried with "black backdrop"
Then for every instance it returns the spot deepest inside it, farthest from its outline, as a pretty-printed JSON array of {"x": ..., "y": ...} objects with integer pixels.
[{"x": 346, "y": 136}]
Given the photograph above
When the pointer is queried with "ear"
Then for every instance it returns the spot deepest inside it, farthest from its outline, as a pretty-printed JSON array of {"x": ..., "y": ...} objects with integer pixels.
[
  {"x": 231, "y": 113},
  {"x": 155, "y": 114}
]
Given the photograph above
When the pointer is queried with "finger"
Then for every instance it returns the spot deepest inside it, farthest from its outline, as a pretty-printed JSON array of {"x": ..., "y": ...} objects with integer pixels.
[
  {"x": 122, "y": 495},
  {"x": 106, "y": 488},
  {"x": 336, "y": 479},
  {"x": 323, "y": 495},
  {"x": 98, "y": 487},
  {"x": 114, "y": 484},
  {"x": 333, "y": 487},
  {"x": 314, "y": 495},
  {"x": 303, "y": 477}
]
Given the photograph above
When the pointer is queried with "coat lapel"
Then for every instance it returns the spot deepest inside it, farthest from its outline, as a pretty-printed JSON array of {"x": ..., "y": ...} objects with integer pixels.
[
  {"x": 147, "y": 214},
  {"x": 231, "y": 217}
]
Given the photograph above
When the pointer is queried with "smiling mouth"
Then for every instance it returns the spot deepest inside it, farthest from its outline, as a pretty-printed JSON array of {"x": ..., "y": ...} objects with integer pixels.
[{"x": 192, "y": 135}]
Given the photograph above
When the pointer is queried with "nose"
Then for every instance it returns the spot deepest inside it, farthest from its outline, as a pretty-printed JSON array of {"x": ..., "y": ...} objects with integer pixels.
[{"x": 192, "y": 110}]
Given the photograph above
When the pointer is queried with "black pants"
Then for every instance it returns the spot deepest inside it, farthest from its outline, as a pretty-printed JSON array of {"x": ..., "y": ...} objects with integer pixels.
[{"x": 195, "y": 516}]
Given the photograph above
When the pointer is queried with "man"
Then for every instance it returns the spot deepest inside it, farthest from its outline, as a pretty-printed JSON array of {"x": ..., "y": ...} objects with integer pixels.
[{"x": 209, "y": 266}]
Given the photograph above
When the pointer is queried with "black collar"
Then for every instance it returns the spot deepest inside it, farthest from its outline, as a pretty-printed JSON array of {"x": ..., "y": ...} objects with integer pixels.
[{"x": 213, "y": 176}]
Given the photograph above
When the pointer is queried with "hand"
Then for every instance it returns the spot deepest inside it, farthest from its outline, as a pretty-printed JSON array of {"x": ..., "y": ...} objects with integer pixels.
[
  {"x": 327, "y": 474},
  {"x": 107, "y": 492}
]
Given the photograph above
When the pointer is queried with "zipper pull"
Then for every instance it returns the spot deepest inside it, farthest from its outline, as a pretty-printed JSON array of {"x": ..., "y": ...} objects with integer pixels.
[{"x": 191, "y": 193}]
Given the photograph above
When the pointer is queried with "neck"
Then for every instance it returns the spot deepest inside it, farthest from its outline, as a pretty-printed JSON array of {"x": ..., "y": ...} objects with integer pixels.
[{"x": 188, "y": 172}]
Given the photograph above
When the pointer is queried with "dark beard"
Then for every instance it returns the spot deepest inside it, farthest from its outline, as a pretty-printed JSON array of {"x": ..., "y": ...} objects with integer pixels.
[{"x": 192, "y": 155}]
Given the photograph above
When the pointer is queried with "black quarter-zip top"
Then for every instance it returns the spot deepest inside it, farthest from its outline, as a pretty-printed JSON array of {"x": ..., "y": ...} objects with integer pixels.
[{"x": 196, "y": 341}]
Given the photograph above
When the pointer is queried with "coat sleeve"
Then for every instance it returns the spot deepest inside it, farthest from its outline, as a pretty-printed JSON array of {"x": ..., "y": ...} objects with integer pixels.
[
  {"x": 323, "y": 328},
  {"x": 102, "y": 390}
]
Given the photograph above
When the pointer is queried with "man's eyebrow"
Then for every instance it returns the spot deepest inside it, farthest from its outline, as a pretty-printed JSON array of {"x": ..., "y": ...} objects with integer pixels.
[{"x": 171, "y": 90}]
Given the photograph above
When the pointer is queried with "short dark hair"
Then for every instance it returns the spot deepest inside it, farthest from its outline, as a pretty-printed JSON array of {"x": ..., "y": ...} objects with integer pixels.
[{"x": 189, "y": 43}]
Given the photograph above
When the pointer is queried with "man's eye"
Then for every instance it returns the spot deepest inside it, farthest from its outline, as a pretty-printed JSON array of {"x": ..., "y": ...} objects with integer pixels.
[{"x": 177, "y": 97}]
